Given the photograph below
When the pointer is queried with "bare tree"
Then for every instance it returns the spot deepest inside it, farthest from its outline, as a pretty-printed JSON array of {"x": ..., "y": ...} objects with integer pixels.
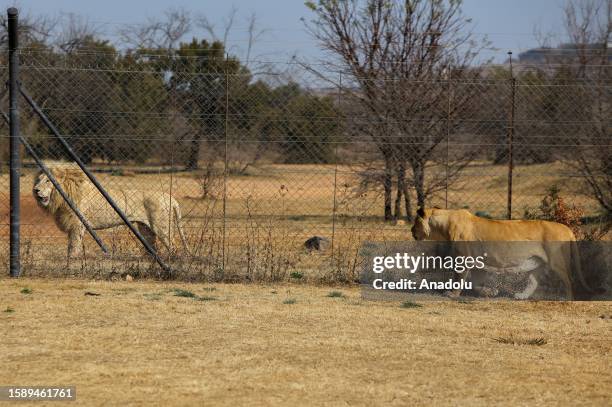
[
  {"x": 166, "y": 33},
  {"x": 222, "y": 33},
  {"x": 158, "y": 34},
  {"x": 74, "y": 32},
  {"x": 588, "y": 24},
  {"x": 228, "y": 22},
  {"x": 254, "y": 34},
  {"x": 397, "y": 60}
]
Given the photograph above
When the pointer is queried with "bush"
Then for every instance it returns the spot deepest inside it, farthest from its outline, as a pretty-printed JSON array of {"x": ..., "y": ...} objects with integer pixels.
[{"x": 554, "y": 208}]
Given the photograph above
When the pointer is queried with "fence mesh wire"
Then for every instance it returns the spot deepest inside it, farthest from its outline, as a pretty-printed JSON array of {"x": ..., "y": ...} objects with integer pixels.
[{"x": 261, "y": 161}]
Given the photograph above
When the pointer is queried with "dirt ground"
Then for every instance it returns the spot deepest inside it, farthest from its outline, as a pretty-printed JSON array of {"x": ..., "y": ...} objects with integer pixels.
[{"x": 138, "y": 343}]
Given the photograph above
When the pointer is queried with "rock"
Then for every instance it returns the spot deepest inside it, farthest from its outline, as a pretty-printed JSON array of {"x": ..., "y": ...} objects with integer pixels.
[{"x": 317, "y": 243}]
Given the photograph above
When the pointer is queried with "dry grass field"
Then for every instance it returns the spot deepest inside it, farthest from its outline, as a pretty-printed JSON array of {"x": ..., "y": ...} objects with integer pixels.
[
  {"x": 138, "y": 343},
  {"x": 269, "y": 213}
]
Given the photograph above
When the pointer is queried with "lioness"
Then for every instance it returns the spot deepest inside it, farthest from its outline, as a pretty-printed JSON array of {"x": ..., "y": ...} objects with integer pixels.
[
  {"x": 461, "y": 225},
  {"x": 154, "y": 213}
]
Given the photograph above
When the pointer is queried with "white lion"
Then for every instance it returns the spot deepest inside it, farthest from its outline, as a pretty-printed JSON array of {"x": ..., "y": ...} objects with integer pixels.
[{"x": 154, "y": 213}]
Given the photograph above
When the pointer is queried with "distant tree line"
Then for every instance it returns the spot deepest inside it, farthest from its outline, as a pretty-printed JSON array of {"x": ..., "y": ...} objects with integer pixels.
[{"x": 181, "y": 102}]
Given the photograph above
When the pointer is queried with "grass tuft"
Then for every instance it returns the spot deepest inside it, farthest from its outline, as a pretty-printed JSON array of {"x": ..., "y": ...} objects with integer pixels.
[
  {"x": 9, "y": 309},
  {"x": 153, "y": 296},
  {"x": 26, "y": 290},
  {"x": 209, "y": 288},
  {"x": 178, "y": 292},
  {"x": 335, "y": 294},
  {"x": 410, "y": 304},
  {"x": 206, "y": 298},
  {"x": 297, "y": 275},
  {"x": 290, "y": 301},
  {"x": 511, "y": 340}
]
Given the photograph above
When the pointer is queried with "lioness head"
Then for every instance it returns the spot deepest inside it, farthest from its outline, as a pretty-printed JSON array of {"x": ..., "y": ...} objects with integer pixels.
[
  {"x": 421, "y": 229},
  {"x": 42, "y": 190},
  {"x": 431, "y": 224}
]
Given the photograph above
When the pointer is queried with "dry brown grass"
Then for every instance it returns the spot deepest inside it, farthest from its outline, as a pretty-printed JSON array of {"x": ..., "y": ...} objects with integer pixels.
[{"x": 139, "y": 343}]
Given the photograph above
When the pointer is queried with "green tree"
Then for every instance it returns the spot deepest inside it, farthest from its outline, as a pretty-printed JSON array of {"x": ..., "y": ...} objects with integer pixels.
[
  {"x": 142, "y": 103},
  {"x": 200, "y": 78},
  {"x": 82, "y": 101},
  {"x": 309, "y": 127}
]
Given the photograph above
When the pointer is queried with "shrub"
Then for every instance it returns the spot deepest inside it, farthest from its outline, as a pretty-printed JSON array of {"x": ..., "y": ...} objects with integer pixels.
[{"x": 554, "y": 208}]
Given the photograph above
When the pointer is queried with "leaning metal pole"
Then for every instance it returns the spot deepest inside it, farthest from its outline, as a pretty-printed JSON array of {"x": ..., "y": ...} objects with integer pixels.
[
  {"x": 94, "y": 180},
  {"x": 14, "y": 160}
]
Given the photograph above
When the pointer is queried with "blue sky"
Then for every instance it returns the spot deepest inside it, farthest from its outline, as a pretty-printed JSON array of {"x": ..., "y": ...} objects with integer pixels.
[{"x": 508, "y": 23}]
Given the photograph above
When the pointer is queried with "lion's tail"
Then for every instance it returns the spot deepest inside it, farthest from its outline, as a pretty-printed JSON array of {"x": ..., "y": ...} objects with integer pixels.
[{"x": 177, "y": 220}]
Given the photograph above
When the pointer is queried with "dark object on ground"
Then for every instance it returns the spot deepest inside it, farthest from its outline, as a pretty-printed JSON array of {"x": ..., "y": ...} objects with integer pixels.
[
  {"x": 92, "y": 294},
  {"x": 317, "y": 243}
]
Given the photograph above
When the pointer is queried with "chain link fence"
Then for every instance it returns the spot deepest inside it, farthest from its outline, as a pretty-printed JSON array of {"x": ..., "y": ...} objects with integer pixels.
[{"x": 280, "y": 175}]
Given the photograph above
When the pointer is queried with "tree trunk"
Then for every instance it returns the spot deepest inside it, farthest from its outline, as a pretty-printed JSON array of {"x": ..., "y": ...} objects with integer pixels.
[
  {"x": 418, "y": 169},
  {"x": 406, "y": 193},
  {"x": 388, "y": 186},
  {"x": 401, "y": 189},
  {"x": 194, "y": 153}
]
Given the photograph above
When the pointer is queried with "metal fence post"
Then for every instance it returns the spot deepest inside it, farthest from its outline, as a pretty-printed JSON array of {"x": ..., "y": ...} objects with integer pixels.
[
  {"x": 225, "y": 169},
  {"x": 511, "y": 136},
  {"x": 14, "y": 143},
  {"x": 448, "y": 132},
  {"x": 339, "y": 101}
]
